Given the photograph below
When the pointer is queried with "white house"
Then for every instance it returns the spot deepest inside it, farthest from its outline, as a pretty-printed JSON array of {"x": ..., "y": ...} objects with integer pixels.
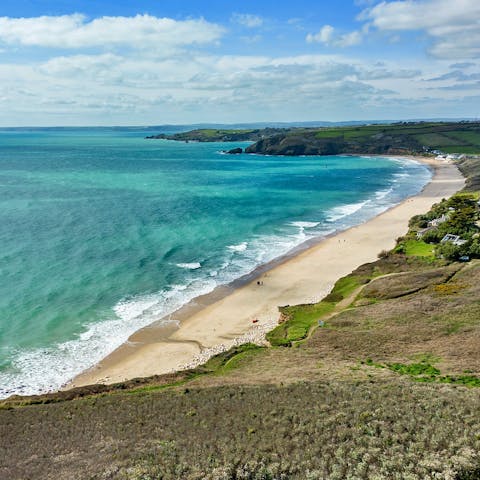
[
  {"x": 437, "y": 221},
  {"x": 455, "y": 239}
]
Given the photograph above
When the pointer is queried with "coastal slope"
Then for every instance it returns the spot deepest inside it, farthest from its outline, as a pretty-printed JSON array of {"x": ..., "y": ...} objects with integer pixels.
[{"x": 305, "y": 278}]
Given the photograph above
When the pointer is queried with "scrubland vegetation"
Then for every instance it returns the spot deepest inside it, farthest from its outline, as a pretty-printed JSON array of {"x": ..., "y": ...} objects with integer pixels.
[{"x": 310, "y": 430}]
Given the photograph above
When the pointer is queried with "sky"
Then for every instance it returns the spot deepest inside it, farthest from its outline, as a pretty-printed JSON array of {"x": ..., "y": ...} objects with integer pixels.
[{"x": 152, "y": 62}]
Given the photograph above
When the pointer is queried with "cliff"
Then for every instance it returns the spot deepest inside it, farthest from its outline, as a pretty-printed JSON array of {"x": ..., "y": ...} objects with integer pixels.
[{"x": 397, "y": 139}]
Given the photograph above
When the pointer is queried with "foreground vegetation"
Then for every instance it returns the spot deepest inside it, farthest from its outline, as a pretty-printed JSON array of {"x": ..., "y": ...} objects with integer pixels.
[
  {"x": 303, "y": 431},
  {"x": 379, "y": 380}
]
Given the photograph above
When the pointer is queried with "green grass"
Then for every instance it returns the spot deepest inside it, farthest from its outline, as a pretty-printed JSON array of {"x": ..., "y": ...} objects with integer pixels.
[
  {"x": 462, "y": 149},
  {"x": 419, "y": 130},
  {"x": 437, "y": 140},
  {"x": 452, "y": 141},
  {"x": 351, "y": 132},
  {"x": 472, "y": 137},
  {"x": 425, "y": 372},
  {"x": 417, "y": 248},
  {"x": 211, "y": 132},
  {"x": 226, "y": 360},
  {"x": 334, "y": 133},
  {"x": 217, "y": 365},
  {"x": 345, "y": 286},
  {"x": 300, "y": 319},
  {"x": 448, "y": 138},
  {"x": 414, "y": 369}
]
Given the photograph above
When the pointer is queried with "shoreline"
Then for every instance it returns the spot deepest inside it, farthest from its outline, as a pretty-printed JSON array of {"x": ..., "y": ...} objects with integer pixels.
[{"x": 214, "y": 322}]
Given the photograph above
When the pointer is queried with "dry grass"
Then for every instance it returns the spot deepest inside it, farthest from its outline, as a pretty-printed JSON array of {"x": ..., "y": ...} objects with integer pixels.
[{"x": 314, "y": 430}]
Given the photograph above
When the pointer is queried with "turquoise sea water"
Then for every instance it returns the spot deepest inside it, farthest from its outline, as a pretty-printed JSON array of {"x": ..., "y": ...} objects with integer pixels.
[{"x": 103, "y": 232}]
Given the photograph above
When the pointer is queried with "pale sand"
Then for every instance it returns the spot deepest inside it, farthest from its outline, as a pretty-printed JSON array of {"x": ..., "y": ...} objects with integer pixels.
[{"x": 307, "y": 277}]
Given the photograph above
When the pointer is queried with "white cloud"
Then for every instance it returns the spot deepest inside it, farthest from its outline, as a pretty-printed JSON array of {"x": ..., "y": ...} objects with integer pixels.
[
  {"x": 324, "y": 35},
  {"x": 454, "y": 26},
  {"x": 75, "y": 31},
  {"x": 108, "y": 85},
  {"x": 247, "y": 20},
  {"x": 349, "y": 39},
  {"x": 109, "y": 88},
  {"x": 327, "y": 36}
]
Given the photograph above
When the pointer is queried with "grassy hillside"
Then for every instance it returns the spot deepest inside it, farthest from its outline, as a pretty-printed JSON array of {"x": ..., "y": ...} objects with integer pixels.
[
  {"x": 221, "y": 135},
  {"x": 386, "y": 386},
  {"x": 463, "y": 137},
  {"x": 397, "y": 138}
]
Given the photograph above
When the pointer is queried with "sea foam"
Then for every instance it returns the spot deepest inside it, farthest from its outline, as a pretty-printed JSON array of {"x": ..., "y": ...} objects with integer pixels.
[
  {"x": 45, "y": 369},
  {"x": 190, "y": 266},
  {"x": 343, "y": 211},
  {"x": 241, "y": 247}
]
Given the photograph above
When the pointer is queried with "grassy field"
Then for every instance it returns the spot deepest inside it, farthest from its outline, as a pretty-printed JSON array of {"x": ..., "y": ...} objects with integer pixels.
[
  {"x": 428, "y": 133},
  {"x": 446, "y": 137}
]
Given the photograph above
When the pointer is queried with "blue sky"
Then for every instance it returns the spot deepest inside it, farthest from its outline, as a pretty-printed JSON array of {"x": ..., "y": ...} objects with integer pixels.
[{"x": 91, "y": 62}]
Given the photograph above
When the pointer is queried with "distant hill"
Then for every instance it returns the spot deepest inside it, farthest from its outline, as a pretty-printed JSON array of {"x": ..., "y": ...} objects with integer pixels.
[
  {"x": 396, "y": 138},
  {"x": 223, "y": 135}
]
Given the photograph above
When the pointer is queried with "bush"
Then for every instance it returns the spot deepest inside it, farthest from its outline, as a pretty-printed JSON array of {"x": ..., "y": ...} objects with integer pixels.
[{"x": 433, "y": 236}]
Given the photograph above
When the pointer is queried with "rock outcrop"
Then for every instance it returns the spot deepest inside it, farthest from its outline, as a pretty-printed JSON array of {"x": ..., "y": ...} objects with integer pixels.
[{"x": 235, "y": 151}]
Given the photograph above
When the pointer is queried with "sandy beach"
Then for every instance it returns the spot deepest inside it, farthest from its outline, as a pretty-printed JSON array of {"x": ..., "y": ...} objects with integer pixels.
[{"x": 217, "y": 321}]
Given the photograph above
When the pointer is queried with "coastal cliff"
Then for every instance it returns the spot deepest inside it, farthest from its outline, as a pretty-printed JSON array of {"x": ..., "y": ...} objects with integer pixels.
[
  {"x": 308, "y": 143},
  {"x": 404, "y": 138}
]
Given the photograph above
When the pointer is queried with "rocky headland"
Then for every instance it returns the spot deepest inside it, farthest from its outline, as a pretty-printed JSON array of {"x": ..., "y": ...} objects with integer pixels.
[{"x": 404, "y": 138}]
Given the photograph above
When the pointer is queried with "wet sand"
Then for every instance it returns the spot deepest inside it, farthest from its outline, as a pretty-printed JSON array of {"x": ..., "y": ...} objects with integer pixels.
[{"x": 214, "y": 322}]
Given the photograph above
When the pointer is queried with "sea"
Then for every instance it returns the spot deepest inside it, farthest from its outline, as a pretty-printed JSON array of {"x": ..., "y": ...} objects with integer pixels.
[{"x": 103, "y": 232}]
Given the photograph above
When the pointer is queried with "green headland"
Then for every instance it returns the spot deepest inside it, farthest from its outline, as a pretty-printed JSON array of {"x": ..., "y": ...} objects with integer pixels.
[{"x": 398, "y": 138}]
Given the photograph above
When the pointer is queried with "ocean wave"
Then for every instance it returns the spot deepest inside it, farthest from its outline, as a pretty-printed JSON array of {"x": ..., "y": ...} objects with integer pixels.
[
  {"x": 383, "y": 193},
  {"x": 400, "y": 175},
  {"x": 190, "y": 266},
  {"x": 305, "y": 224},
  {"x": 337, "y": 213},
  {"x": 46, "y": 369},
  {"x": 241, "y": 247}
]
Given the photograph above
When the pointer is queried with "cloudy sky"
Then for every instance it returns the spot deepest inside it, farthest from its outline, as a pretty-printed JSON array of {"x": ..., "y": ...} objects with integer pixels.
[{"x": 143, "y": 62}]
